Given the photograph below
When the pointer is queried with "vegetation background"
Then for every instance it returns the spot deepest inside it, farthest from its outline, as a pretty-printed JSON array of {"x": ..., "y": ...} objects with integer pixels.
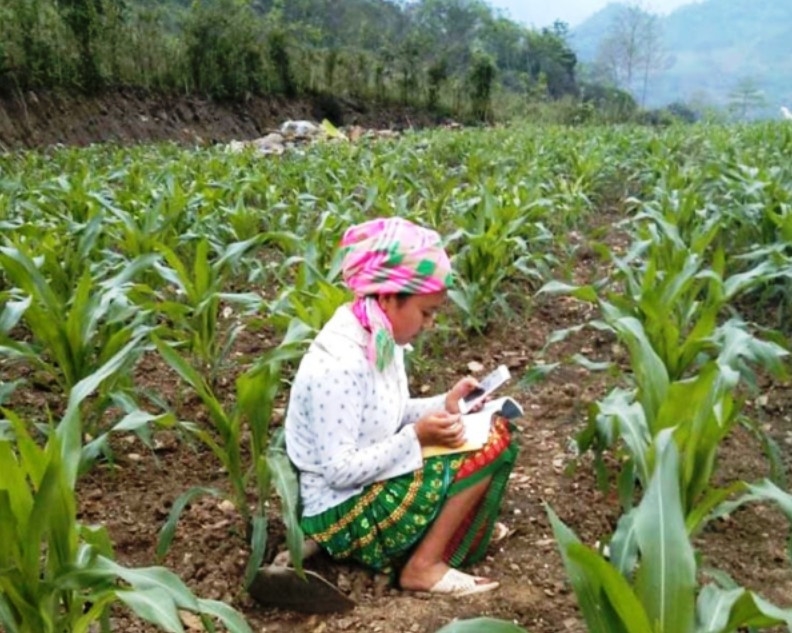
[{"x": 706, "y": 54}]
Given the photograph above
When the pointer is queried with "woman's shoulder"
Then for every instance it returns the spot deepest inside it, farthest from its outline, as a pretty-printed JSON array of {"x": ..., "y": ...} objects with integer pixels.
[{"x": 342, "y": 336}]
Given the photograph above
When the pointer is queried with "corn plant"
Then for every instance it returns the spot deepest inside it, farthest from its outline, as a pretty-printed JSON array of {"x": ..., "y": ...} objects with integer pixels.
[
  {"x": 702, "y": 410},
  {"x": 312, "y": 297},
  {"x": 7, "y": 388},
  {"x": 72, "y": 337},
  {"x": 494, "y": 244},
  {"x": 256, "y": 390},
  {"x": 194, "y": 301},
  {"x": 58, "y": 575},
  {"x": 677, "y": 300},
  {"x": 649, "y": 585}
]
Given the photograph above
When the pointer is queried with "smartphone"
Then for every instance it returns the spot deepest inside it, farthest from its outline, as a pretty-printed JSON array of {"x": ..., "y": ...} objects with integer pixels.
[{"x": 487, "y": 385}]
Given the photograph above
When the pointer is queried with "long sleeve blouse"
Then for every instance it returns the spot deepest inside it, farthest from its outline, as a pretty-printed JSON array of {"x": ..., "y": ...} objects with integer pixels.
[{"x": 347, "y": 424}]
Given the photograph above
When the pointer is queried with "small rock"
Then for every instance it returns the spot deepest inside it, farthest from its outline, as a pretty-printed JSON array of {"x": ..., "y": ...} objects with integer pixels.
[
  {"x": 191, "y": 621},
  {"x": 227, "y": 506},
  {"x": 475, "y": 367}
]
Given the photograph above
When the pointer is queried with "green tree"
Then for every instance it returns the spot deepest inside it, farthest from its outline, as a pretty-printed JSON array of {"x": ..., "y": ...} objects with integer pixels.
[
  {"x": 549, "y": 55},
  {"x": 436, "y": 75},
  {"x": 745, "y": 98},
  {"x": 482, "y": 78},
  {"x": 84, "y": 18},
  {"x": 632, "y": 51},
  {"x": 223, "y": 49}
]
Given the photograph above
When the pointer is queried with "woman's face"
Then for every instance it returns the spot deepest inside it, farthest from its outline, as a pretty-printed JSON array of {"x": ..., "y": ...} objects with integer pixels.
[{"x": 410, "y": 316}]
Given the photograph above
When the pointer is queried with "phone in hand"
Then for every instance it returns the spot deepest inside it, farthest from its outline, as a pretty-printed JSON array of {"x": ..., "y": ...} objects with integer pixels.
[{"x": 487, "y": 385}]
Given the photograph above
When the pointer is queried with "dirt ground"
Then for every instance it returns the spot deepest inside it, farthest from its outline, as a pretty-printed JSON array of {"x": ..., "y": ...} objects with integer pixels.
[
  {"x": 133, "y": 497},
  {"x": 35, "y": 120},
  {"x": 209, "y": 552}
]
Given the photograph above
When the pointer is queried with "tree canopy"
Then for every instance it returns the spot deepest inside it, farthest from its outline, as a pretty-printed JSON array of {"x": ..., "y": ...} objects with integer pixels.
[{"x": 441, "y": 52}]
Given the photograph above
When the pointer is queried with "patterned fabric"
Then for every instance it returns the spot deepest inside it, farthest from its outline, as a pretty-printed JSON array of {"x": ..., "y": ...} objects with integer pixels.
[
  {"x": 390, "y": 256},
  {"x": 380, "y": 526}
]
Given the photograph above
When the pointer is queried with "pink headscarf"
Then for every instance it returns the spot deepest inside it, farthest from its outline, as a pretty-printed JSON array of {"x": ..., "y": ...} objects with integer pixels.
[{"x": 390, "y": 256}]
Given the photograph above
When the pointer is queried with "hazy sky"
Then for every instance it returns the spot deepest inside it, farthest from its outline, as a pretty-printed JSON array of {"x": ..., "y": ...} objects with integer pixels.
[{"x": 539, "y": 13}]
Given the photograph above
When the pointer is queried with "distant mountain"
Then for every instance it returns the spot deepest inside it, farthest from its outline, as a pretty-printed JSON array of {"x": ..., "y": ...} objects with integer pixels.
[{"x": 710, "y": 47}]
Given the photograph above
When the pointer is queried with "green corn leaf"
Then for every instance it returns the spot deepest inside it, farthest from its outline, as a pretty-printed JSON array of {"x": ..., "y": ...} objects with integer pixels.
[
  {"x": 285, "y": 481},
  {"x": 650, "y": 372},
  {"x": 153, "y": 605},
  {"x": 584, "y": 293},
  {"x": 12, "y": 313},
  {"x": 45, "y": 502},
  {"x": 33, "y": 460},
  {"x": 230, "y": 618},
  {"x": 750, "y": 610},
  {"x": 97, "y": 611},
  {"x": 631, "y": 425},
  {"x": 79, "y": 323},
  {"x": 765, "y": 490},
  {"x": 12, "y": 588},
  {"x": 7, "y": 617},
  {"x": 737, "y": 343},
  {"x": 711, "y": 505},
  {"x": 9, "y": 527},
  {"x": 23, "y": 271},
  {"x": 168, "y": 530},
  {"x": 256, "y": 392},
  {"x": 692, "y": 407},
  {"x": 592, "y": 600},
  {"x": 16, "y": 499},
  {"x": 591, "y": 365},
  {"x": 235, "y": 250},
  {"x": 616, "y": 595},
  {"x": 176, "y": 274},
  {"x": 202, "y": 271},
  {"x": 135, "y": 420},
  {"x": 7, "y": 388},
  {"x": 481, "y": 625},
  {"x": 666, "y": 577},
  {"x": 62, "y": 535},
  {"x": 97, "y": 539},
  {"x": 624, "y": 545},
  {"x": 158, "y": 579},
  {"x": 196, "y": 381},
  {"x": 258, "y": 547},
  {"x": 537, "y": 374},
  {"x": 69, "y": 429},
  {"x": 713, "y": 608}
]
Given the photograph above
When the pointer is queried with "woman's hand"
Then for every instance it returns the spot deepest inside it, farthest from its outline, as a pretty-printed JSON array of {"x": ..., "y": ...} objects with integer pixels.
[
  {"x": 459, "y": 391},
  {"x": 440, "y": 428}
]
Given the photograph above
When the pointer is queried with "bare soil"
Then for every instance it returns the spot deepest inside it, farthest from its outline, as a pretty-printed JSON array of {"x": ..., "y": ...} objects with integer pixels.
[{"x": 36, "y": 120}]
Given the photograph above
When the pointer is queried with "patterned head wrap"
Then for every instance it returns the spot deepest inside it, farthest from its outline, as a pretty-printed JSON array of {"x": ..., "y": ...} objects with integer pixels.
[{"x": 390, "y": 256}]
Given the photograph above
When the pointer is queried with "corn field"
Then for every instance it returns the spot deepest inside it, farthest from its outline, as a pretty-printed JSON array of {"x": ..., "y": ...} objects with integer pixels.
[{"x": 114, "y": 258}]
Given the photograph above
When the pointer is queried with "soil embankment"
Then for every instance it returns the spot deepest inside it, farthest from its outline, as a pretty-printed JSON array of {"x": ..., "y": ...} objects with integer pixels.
[{"x": 37, "y": 120}]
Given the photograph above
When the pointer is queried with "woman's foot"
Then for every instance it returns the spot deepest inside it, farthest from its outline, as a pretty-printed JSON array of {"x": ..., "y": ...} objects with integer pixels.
[
  {"x": 440, "y": 578},
  {"x": 456, "y": 584},
  {"x": 415, "y": 577}
]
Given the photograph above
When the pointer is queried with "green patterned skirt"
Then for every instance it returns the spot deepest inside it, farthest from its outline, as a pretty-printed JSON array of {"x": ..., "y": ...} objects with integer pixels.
[{"x": 380, "y": 526}]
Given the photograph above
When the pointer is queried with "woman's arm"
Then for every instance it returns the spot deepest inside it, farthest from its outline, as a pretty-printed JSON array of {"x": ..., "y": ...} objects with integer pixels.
[
  {"x": 354, "y": 441},
  {"x": 418, "y": 407},
  {"x": 449, "y": 401}
]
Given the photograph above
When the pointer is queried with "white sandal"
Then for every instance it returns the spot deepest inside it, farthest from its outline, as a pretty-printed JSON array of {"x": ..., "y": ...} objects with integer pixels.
[{"x": 455, "y": 583}]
